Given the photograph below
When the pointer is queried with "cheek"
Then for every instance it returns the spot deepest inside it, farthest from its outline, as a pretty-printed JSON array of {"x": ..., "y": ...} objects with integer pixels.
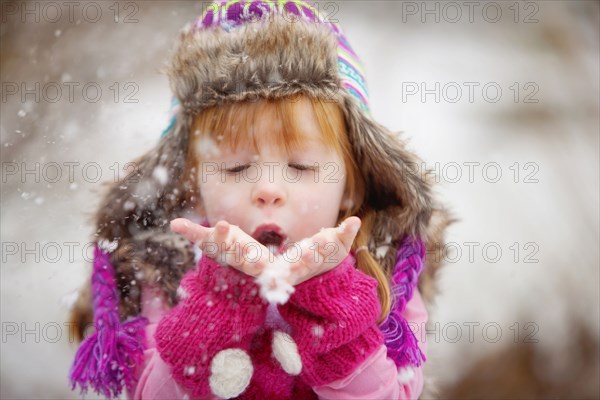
[
  {"x": 312, "y": 213},
  {"x": 332, "y": 187},
  {"x": 320, "y": 205},
  {"x": 220, "y": 202}
]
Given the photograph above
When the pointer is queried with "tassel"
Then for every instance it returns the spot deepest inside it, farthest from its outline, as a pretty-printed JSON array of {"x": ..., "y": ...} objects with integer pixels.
[
  {"x": 107, "y": 359},
  {"x": 402, "y": 345}
]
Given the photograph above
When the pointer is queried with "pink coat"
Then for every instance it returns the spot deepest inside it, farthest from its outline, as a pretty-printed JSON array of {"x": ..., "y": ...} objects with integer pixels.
[{"x": 374, "y": 378}]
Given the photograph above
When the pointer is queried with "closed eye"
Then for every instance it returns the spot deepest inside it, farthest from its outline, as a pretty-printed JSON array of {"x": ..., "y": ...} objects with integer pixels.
[
  {"x": 237, "y": 168},
  {"x": 304, "y": 167}
]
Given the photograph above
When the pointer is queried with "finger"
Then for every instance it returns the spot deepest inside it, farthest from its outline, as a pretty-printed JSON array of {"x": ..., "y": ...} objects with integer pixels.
[
  {"x": 221, "y": 232},
  {"x": 348, "y": 230},
  {"x": 310, "y": 250},
  {"x": 189, "y": 230},
  {"x": 304, "y": 263},
  {"x": 242, "y": 251},
  {"x": 308, "y": 266},
  {"x": 327, "y": 244},
  {"x": 253, "y": 260},
  {"x": 333, "y": 244}
]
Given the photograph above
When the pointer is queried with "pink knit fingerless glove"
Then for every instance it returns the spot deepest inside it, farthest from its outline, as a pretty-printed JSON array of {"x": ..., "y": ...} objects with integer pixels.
[
  {"x": 333, "y": 320},
  {"x": 219, "y": 309}
]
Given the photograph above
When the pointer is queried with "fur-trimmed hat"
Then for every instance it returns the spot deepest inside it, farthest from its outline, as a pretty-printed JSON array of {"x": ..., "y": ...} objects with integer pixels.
[{"x": 246, "y": 50}]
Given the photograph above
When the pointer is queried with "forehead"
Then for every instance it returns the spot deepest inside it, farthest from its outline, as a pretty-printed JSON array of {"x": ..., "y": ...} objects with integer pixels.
[
  {"x": 295, "y": 121},
  {"x": 290, "y": 124}
]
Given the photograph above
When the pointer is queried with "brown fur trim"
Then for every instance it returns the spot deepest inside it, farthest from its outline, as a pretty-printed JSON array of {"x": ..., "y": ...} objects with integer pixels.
[
  {"x": 141, "y": 201},
  {"x": 403, "y": 199},
  {"x": 276, "y": 60},
  {"x": 136, "y": 211},
  {"x": 153, "y": 258}
]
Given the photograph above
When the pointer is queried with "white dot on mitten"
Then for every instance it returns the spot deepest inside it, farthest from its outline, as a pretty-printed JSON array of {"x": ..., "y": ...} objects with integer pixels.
[
  {"x": 230, "y": 373},
  {"x": 286, "y": 352}
]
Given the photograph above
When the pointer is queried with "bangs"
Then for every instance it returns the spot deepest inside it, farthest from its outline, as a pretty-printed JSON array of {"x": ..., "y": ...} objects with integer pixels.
[{"x": 249, "y": 125}]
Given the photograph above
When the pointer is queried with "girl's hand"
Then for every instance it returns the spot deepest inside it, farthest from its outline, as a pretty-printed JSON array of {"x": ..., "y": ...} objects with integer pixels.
[
  {"x": 225, "y": 243},
  {"x": 324, "y": 251}
]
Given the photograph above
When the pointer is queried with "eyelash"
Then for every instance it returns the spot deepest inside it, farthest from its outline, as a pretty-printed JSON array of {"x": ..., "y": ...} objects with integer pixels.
[
  {"x": 299, "y": 167},
  {"x": 236, "y": 169},
  {"x": 303, "y": 167}
]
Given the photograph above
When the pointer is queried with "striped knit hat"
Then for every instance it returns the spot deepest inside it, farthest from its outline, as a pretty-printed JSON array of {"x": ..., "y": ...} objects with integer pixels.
[{"x": 234, "y": 14}]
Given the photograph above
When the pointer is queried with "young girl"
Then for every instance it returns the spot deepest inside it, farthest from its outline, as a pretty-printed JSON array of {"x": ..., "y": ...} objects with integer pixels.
[{"x": 284, "y": 179}]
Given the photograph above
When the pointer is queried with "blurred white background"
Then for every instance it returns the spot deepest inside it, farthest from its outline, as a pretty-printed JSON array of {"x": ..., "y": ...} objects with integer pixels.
[{"x": 479, "y": 88}]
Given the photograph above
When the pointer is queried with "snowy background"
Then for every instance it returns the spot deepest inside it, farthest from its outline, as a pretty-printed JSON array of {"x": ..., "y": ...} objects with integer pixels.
[{"x": 540, "y": 132}]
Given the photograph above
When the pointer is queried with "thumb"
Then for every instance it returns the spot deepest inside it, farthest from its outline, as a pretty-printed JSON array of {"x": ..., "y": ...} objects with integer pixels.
[{"x": 348, "y": 230}]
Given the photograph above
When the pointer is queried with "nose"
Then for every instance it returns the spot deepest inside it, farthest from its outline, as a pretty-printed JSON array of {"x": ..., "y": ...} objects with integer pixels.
[{"x": 269, "y": 194}]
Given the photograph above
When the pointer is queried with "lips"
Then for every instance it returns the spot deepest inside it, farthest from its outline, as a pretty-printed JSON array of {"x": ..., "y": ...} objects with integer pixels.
[{"x": 270, "y": 235}]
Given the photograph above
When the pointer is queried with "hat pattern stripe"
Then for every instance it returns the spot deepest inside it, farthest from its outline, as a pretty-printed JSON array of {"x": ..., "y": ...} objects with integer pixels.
[
  {"x": 349, "y": 55},
  {"x": 351, "y": 71}
]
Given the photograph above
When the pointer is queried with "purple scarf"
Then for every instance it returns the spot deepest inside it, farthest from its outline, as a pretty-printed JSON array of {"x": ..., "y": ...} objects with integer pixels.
[
  {"x": 106, "y": 360},
  {"x": 402, "y": 345}
]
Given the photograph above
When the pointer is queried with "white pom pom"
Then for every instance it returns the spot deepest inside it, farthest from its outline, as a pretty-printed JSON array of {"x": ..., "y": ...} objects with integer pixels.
[
  {"x": 286, "y": 352},
  {"x": 230, "y": 373}
]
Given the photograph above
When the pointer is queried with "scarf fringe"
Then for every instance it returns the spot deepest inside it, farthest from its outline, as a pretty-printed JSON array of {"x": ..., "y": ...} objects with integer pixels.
[{"x": 107, "y": 359}]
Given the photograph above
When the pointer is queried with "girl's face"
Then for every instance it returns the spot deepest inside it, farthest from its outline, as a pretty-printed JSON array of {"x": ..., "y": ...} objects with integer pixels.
[{"x": 274, "y": 194}]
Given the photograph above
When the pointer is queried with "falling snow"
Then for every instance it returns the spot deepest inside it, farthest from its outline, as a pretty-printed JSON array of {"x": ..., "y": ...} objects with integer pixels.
[
  {"x": 69, "y": 299},
  {"x": 161, "y": 174},
  {"x": 116, "y": 131},
  {"x": 317, "y": 331},
  {"x": 108, "y": 246},
  {"x": 128, "y": 205},
  {"x": 182, "y": 293},
  {"x": 207, "y": 147}
]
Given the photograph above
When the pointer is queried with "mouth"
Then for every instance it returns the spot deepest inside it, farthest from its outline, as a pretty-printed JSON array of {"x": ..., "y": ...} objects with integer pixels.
[{"x": 270, "y": 236}]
